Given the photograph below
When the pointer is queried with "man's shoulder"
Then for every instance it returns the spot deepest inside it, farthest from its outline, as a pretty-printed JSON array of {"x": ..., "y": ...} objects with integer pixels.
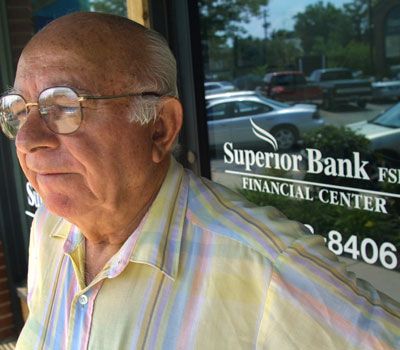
[{"x": 223, "y": 212}]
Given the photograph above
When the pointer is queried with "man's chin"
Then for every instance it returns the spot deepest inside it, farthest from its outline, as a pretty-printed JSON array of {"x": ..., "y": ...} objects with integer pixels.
[{"x": 61, "y": 205}]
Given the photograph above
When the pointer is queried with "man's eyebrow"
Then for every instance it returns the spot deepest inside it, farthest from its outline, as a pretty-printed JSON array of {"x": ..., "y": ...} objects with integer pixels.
[
  {"x": 12, "y": 90},
  {"x": 76, "y": 87}
]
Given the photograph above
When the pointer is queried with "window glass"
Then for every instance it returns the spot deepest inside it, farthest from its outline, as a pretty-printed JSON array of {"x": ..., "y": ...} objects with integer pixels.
[
  {"x": 219, "y": 111},
  {"x": 212, "y": 86},
  {"x": 45, "y": 11},
  {"x": 299, "y": 80},
  {"x": 246, "y": 108},
  {"x": 336, "y": 75},
  {"x": 283, "y": 80},
  {"x": 390, "y": 119},
  {"x": 323, "y": 79}
]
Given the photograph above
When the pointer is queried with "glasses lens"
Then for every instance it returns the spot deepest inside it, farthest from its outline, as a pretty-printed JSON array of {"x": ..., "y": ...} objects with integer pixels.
[
  {"x": 60, "y": 109},
  {"x": 12, "y": 114}
]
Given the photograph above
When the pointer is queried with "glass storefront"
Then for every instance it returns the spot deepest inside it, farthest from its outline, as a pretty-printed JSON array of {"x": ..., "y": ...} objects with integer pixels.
[
  {"x": 299, "y": 118},
  {"x": 392, "y": 39}
]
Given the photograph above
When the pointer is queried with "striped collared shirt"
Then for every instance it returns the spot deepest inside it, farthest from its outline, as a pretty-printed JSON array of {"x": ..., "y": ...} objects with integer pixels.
[{"x": 204, "y": 270}]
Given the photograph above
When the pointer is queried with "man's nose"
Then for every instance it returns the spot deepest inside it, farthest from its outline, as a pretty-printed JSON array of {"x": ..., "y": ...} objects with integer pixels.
[{"x": 34, "y": 133}]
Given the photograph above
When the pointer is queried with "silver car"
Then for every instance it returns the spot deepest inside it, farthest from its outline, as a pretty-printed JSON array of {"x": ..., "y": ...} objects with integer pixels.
[
  {"x": 389, "y": 89},
  {"x": 384, "y": 133},
  {"x": 216, "y": 87},
  {"x": 240, "y": 116}
]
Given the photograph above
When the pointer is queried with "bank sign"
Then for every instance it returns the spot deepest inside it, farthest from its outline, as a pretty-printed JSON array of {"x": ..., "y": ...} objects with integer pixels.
[{"x": 292, "y": 176}]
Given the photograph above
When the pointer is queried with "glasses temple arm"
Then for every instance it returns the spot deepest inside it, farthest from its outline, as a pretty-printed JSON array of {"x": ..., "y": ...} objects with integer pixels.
[{"x": 83, "y": 98}]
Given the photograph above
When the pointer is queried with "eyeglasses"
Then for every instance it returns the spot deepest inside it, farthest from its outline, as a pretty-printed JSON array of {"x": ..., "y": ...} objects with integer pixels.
[{"x": 60, "y": 108}]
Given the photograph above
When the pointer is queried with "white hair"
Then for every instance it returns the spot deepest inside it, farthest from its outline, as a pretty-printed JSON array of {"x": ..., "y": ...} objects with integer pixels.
[{"x": 158, "y": 74}]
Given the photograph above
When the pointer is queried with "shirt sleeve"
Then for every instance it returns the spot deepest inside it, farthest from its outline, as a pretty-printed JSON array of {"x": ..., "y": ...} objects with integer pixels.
[{"x": 314, "y": 303}]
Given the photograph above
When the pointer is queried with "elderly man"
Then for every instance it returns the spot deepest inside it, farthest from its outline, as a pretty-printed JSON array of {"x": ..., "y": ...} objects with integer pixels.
[{"x": 131, "y": 251}]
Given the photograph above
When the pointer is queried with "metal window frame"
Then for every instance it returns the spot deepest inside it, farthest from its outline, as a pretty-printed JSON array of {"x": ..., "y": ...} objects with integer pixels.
[
  {"x": 184, "y": 38},
  {"x": 13, "y": 223}
]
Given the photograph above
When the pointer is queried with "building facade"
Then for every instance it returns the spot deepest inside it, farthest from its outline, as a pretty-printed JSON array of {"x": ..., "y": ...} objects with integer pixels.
[{"x": 256, "y": 118}]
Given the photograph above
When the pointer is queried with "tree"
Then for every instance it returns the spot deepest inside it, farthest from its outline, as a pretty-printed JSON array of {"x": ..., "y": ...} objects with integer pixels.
[
  {"x": 224, "y": 18},
  {"x": 249, "y": 52},
  {"x": 322, "y": 23},
  {"x": 282, "y": 50},
  {"x": 221, "y": 27},
  {"x": 358, "y": 12}
]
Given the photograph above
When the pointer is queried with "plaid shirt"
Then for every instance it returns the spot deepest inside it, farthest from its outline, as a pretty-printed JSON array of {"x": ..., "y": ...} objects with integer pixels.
[{"x": 204, "y": 270}]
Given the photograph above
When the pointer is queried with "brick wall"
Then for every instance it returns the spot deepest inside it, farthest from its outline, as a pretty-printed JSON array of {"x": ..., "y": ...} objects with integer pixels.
[
  {"x": 19, "y": 15},
  {"x": 7, "y": 326}
]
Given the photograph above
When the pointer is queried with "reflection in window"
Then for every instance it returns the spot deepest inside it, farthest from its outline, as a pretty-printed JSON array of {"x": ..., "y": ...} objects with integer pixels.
[
  {"x": 116, "y": 7},
  {"x": 283, "y": 80},
  {"x": 391, "y": 118},
  {"x": 248, "y": 108},
  {"x": 46, "y": 11},
  {"x": 259, "y": 44},
  {"x": 217, "y": 112}
]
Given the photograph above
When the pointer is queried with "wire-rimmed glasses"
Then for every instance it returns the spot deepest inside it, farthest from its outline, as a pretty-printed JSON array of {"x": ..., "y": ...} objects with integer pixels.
[{"x": 60, "y": 108}]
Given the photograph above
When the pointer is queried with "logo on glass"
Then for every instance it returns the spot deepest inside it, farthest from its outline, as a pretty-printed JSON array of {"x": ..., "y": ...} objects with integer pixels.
[{"x": 264, "y": 135}]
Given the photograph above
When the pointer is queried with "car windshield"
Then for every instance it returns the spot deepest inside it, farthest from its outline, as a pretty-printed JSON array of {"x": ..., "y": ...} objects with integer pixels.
[
  {"x": 283, "y": 80},
  {"x": 390, "y": 118},
  {"x": 274, "y": 103},
  {"x": 336, "y": 75}
]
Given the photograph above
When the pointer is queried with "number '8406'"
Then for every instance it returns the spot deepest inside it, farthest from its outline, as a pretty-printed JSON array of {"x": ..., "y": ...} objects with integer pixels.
[{"x": 367, "y": 249}]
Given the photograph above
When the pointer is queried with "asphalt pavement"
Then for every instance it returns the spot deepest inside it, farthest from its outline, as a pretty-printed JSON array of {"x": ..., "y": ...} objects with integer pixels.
[{"x": 347, "y": 114}]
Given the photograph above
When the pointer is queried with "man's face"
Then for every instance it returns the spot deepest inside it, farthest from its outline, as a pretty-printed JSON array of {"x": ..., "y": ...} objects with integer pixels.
[{"x": 104, "y": 165}]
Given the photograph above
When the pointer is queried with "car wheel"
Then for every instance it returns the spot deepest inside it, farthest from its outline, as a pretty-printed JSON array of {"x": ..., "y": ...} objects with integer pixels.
[
  {"x": 361, "y": 103},
  {"x": 285, "y": 136}
]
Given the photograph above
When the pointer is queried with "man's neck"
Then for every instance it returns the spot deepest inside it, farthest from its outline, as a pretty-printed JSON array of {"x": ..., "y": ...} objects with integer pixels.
[{"x": 107, "y": 230}]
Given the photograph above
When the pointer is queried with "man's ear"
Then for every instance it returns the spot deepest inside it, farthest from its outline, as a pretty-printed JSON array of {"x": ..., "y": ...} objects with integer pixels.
[{"x": 166, "y": 127}]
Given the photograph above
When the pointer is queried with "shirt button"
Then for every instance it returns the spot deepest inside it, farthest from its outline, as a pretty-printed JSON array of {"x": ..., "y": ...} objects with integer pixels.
[{"x": 83, "y": 299}]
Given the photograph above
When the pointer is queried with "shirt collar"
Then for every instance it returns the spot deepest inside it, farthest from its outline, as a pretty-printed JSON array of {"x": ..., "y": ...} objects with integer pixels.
[
  {"x": 159, "y": 242},
  {"x": 160, "y": 236}
]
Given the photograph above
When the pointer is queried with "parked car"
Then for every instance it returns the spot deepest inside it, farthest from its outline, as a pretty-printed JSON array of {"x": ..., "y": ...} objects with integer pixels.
[
  {"x": 291, "y": 86},
  {"x": 384, "y": 90},
  {"x": 384, "y": 133},
  {"x": 229, "y": 114},
  {"x": 214, "y": 87},
  {"x": 339, "y": 86}
]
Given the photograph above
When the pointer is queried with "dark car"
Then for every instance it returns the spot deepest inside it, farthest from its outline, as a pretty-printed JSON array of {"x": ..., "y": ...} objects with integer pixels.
[{"x": 339, "y": 87}]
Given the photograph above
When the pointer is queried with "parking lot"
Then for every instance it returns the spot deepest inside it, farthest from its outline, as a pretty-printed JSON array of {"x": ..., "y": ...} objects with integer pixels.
[{"x": 347, "y": 114}]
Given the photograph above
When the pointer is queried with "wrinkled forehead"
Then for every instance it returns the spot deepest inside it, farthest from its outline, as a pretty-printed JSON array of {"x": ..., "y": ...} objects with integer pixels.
[
  {"x": 39, "y": 70},
  {"x": 96, "y": 56},
  {"x": 96, "y": 37}
]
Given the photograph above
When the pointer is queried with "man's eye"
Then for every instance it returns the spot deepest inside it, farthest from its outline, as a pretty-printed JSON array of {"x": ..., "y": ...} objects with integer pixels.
[
  {"x": 67, "y": 109},
  {"x": 20, "y": 115},
  {"x": 58, "y": 109}
]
